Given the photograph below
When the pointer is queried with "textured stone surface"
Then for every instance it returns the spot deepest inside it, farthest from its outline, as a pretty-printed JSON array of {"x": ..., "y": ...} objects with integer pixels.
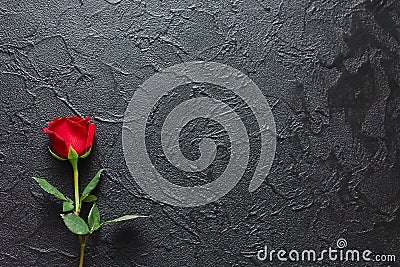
[{"x": 329, "y": 69}]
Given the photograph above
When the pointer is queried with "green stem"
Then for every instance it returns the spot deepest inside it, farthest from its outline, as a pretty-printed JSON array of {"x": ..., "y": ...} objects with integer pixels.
[
  {"x": 74, "y": 163},
  {"x": 82, "y": 241}
]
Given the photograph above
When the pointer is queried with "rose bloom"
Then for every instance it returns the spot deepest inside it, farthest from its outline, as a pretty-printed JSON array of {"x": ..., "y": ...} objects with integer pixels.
[{"x": 67, "y": 132}]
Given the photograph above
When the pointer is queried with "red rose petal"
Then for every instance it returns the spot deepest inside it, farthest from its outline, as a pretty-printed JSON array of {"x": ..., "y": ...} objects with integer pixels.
[
  {"x": 54, "y": 121},
  {"x": 59, "y": 146},
  {"x": 81, "y": 121},
  {"x": 91, "y": 129},
  {"x": 74, "y": 118},
  {"x": 72, "y": 133}
]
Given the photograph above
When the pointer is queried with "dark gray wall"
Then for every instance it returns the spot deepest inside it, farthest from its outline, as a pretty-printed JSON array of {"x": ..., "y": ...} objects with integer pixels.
[{"x": 330, "y": 69}]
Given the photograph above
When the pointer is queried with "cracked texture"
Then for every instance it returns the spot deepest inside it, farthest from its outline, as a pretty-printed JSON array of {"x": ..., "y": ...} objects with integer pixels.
[{"x": 329, "y": 69}]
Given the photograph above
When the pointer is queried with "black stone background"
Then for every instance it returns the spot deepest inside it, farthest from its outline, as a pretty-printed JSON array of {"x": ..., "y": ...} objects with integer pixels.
[{"x": 329, "y": 69}]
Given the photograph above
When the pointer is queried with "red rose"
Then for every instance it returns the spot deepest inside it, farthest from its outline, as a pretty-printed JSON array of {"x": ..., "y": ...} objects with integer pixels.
[{"x": 69, "y": 132}]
